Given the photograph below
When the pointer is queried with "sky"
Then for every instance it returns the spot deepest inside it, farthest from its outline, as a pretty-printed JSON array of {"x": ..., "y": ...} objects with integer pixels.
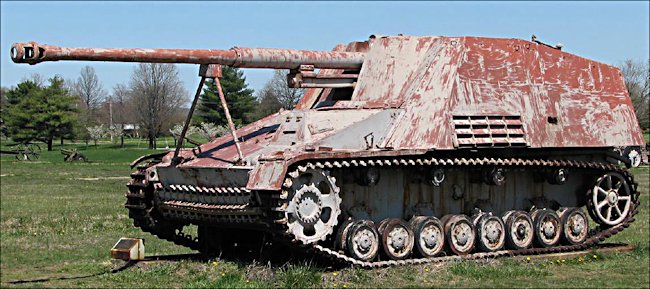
[{"x": 608, "y": 32}]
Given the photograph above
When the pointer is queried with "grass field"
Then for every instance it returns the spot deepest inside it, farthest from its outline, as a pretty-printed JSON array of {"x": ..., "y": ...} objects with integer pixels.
[{"x": 59, "y": 221}]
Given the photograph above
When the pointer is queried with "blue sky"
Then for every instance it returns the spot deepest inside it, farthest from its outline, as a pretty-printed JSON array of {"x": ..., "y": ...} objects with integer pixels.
[{"x": 609, "y": 32}]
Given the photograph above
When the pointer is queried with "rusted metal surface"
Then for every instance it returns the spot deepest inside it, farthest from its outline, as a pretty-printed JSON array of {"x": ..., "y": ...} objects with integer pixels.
[
  {"x": 32, "y": 53},
  {"x": 231, "y": 125},
  {"x": 598, "y": 235},
  {"x": 437, "y": 78},
  {"x": 562, "y": 100},
  {"x": 205, "y": 71},
  {"x": 463, "y": 127},
  {"x": 538, "y": 97}
]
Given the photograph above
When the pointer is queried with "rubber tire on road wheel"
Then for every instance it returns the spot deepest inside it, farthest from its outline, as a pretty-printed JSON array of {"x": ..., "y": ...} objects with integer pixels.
[
  {"x": 564, "y": 216},
  {"x": 538, "y": 217},
  {"x": 451, "y": 221},
  {"x": 479, "y": 232},
  {"x": 509, "y": 218},
  {"x": 385, "y": 227},
  {"x": 340, "y": 241},
  {"x": 356, "y": 227},
  {"x": 418, "y": 224}
]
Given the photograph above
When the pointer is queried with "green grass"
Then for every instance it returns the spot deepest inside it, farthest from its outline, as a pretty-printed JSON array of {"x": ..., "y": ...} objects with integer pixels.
[{"x": 59, "y": 220}]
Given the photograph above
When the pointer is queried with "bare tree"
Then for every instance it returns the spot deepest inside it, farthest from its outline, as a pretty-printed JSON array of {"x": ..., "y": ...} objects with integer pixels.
[
  {"x": 268, "y": 102},
  {"x": 157, "y": 93},
  {"x": 121, "y": 112},
  {"x": 287, "y": 96},
  {"x": 36, "y": 78},
  {"x": 89, "y": 90},
  {"x": 637, "y": 81},
  {"x": 277, "y": 94}
]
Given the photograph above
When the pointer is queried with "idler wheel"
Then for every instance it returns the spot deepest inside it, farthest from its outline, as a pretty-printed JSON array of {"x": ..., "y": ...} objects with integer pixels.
[
  {"x": 362, "y": 240},
  {"x": 548, "y": 227},
  {"x": 610, "y": 200},
  {"x": 575, "y": 226},
  {"x": 519, "y": 230},
  {"x": 490, "y": 232},
  {"x": 396, "y": 238},
  {"x": 429, "y": 236},
  {"x": 459, "y": 233}
]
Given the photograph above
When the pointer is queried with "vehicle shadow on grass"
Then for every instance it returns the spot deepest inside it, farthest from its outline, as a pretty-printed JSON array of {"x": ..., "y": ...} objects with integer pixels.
[
  {"x": 121, "y": 268},
  {"x": 126, "y": 265},
  {"x": 272, "y": 255}
]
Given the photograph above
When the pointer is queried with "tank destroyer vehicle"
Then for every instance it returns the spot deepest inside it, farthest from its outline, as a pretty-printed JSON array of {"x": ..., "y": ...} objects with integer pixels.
[{"x": 403, "y": 150}]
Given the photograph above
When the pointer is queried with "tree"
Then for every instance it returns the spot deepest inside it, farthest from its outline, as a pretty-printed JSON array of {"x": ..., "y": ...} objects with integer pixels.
[
  {"x": 178, "y": 129},
  {"x": 120, "y": 109},
  {"x": 4, "y": 103},
  {"x": 40, "y": 113},
  {"x": 156, "y": 94},
  {"x": 637, "y": 81},
  {"x": 287, "y": 96},
  {"x": 211, "y": 131},
  {"x": 36, "y": 78},
  {"x": 114, "y": 132},
  {"x": 268, "y": 102},
  {"x": 96, "y": 132},
  {"x": 277, "y": 95},
  {"x": 90, "y": 91},
  {"x": 240, "y": 99}
]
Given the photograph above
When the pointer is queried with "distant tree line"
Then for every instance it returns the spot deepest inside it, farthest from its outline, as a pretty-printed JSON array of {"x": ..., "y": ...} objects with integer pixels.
[
  {"x": 33, "y": 111},
  {"x": 637, "y": 80},
  {"x": 151, "y": 104}
]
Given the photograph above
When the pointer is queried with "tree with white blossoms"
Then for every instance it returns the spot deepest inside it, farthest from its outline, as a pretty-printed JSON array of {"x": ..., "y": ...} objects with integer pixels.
[
  {"x": 211, "y": 131},
  {"x": 178, "y": 129},
  {"x": 207, "y": 130},
  {"x": 114, "y": 132},
  {"x": 96, "y": 132}
]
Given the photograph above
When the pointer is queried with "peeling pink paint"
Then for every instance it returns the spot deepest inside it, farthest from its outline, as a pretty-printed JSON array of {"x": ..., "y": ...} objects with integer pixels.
[{"x": 414, "y": 94}]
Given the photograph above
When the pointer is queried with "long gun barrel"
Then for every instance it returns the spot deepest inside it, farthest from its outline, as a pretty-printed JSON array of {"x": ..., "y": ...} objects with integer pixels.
[{"x": 32, "y": 53}]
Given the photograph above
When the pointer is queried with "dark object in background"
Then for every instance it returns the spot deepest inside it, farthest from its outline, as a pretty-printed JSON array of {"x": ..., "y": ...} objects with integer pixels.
[{"x": 73, "y": 156}]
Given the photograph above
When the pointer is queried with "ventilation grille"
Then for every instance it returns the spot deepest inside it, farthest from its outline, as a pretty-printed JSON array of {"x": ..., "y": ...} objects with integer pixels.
[{"x": 489, "y": 131}]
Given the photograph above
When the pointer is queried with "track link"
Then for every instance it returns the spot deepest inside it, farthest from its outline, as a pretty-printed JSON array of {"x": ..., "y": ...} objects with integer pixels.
[
  {"x": 597, "y": 235},
  {"x": 141, "y": 207},
  {"x": 139, "y": 202}
]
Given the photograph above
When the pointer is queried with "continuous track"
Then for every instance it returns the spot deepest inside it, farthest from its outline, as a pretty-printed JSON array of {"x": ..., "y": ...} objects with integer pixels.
[
  {"x": 144, "y": 214},
  {"x": 139, "y": 202}
]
